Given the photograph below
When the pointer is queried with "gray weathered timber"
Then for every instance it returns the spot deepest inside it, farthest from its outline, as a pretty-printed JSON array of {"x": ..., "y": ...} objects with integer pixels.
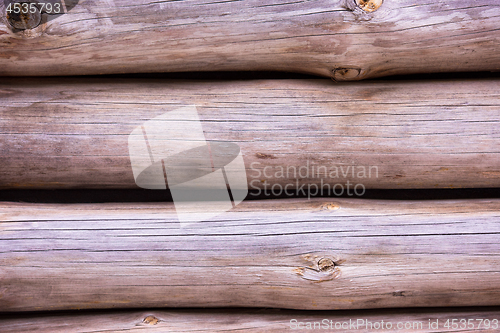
[
  {"x": 333, "y": 38},
  {"x": 300, "y": 254},
  {"x": 261, "y": 320},
  {"x": 67, "y": 133}
]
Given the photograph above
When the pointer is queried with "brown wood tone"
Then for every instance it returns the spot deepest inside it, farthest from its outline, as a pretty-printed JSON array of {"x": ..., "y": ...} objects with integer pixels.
[
  {"x": 261, "y": 320},
  {"x": 301, "y": 254},
  {"x": 343, "y": 39},
  {"x": 67, "y": 133}
]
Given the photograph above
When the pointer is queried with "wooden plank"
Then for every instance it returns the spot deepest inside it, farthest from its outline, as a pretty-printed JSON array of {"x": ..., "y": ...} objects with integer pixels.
[
  {"x": 67, "y": 133},
  {"x": 330, "y": 38},
  {"x": 248, "y": 320},
  {"x": 300, "y": 254}
]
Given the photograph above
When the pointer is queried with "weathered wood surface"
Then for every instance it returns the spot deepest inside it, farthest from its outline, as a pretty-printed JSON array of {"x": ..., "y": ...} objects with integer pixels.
[
  {"x": 333, "y": 38},
  {"x": 317, "y": 254},
  {"x": 261, "y": 320},
  {"x": 62, "y": 133}
]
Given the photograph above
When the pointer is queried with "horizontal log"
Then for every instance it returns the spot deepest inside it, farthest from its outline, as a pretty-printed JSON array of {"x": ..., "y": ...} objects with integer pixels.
[
  {"x": 301, "y": 254},
  {"x": 338, "y": 39},
  {"x": 248, "y": 320},
  {"x": 67, "y": 133}
]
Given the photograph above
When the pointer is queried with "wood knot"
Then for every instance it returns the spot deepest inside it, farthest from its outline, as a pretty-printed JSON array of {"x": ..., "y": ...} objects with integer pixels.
[
  {"x": 329, "y": 206},
  {"x": 265, "y": 156},
  {"x": 151, "y": 320},
  {"x": 325, "y": 271},
  {"x": 23, "y": 15},
  {"x": 369, "y": 5},
  {"x": 399, "y": 293},
  {"x": 326, "y": 264},
  {"x": 346, "y": 74}
]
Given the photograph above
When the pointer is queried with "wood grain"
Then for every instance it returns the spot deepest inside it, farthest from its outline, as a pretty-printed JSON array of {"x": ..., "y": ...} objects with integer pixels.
[
  {"x": 333, "y": 38},
  {"x": 261, "y": 320},
  {"x": 260, "y": 254},
  {"x": 67, "y": 133}
]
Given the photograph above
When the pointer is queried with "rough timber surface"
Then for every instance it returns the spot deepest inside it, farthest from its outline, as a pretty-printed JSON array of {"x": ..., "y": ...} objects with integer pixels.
[
  {"x": 300, "y": 254},
  {"x": 332, "y": 38},
  {"x": 73, "y": 133},
  {"x": 259, "y": 320}
]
